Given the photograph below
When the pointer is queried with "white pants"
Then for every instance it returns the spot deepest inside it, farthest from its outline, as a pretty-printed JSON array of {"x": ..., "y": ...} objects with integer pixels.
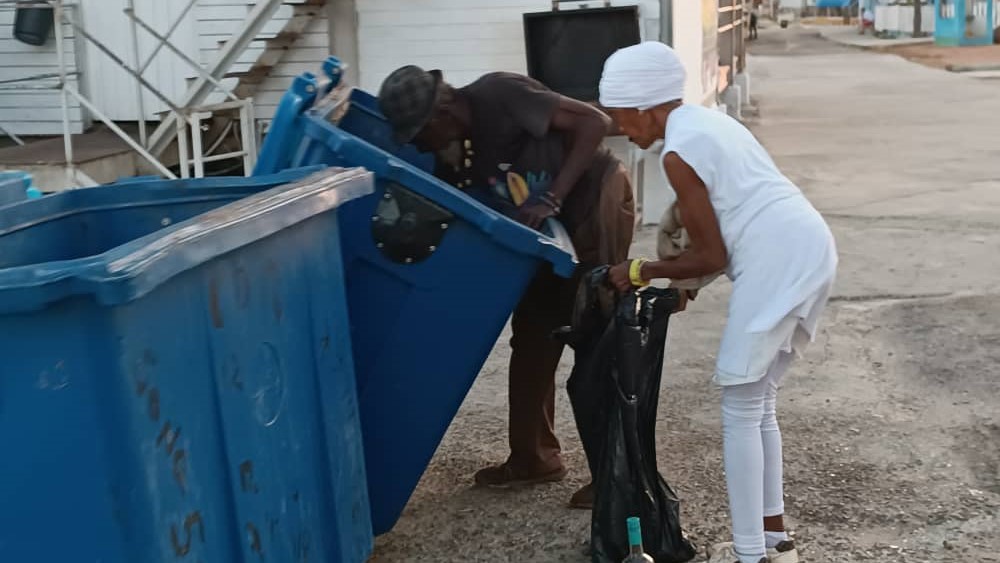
[{"x": 752, "y": 454}]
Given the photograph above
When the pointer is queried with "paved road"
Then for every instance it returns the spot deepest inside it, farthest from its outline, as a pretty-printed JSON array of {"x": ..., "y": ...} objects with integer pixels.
[
  {"x": 792, "y": 42},
  {"x": 892, "y": 421}
]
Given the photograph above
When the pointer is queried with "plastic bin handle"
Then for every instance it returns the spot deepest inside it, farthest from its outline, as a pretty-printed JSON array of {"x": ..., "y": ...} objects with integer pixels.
[
  {"x": 558, "y": 232},
  {"x": 395, "y": 168},
  {"x": 188, "y": 240}
]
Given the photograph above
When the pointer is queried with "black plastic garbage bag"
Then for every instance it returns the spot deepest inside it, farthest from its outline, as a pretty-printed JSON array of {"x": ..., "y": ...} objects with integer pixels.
[{"x": 614, "y": 389}]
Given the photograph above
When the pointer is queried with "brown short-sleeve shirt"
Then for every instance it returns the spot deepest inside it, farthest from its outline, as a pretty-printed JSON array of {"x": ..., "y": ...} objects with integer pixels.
[{"x": 512, "y": 140}]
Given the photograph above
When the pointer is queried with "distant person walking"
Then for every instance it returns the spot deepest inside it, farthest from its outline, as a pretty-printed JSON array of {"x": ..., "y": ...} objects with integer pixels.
[
  {"x": 753, "y": 23},
  {"x": 868, "y": 21}
]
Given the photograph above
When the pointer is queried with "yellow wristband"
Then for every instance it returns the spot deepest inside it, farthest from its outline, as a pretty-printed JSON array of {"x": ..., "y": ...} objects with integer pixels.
[{"x": 635, "y": 273}]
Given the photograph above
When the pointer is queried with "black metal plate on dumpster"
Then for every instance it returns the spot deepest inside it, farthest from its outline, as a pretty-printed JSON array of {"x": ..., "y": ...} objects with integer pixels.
[
  {"x": 567, "y": 48},
  {"x": 408, "y": 228}
]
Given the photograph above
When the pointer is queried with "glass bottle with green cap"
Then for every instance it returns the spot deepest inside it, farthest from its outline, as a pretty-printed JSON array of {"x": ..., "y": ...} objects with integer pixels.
[{"x": 636, "y": 554}]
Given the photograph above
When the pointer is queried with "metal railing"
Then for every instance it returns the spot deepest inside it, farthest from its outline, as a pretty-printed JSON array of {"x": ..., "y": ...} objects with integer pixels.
[
  {"x": 184, "y": 119},
  {"x": 732, "y": 25}
]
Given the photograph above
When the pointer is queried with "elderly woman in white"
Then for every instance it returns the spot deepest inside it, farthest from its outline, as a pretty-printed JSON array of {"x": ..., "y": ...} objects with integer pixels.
[{"x": 743, "y": 217}]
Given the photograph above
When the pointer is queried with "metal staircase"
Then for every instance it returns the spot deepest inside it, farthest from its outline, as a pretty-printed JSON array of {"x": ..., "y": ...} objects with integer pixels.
[
  {"x": 304, "y": 11},
  {"x": 194, "y": 112}
]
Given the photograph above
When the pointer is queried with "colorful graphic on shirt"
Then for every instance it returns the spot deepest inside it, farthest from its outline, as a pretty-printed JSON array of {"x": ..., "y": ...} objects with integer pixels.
[{"x": 517, "y": 189}]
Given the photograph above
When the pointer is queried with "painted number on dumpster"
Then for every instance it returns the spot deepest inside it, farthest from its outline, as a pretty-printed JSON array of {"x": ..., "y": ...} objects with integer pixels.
[
  {"x": 247, "y": 483},
  {"x": 168, "y": 434},
  {"x": 168, "y": 440},
  {"x": 182, "y": 537}
]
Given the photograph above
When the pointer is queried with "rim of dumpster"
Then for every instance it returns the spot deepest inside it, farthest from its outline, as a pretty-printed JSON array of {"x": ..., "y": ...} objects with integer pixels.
[
  {"x": 283, "y": 177},
  {"x": 134, "y": 269},
  {"x": 558, "y": 249}
]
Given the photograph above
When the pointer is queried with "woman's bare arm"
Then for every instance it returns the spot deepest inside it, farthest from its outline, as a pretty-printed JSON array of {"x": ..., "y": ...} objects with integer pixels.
[{"x": 707, "y": 253}]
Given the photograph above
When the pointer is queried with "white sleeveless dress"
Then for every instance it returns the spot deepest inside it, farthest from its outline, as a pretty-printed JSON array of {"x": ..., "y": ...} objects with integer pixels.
[{"x": 782, "y": 256}]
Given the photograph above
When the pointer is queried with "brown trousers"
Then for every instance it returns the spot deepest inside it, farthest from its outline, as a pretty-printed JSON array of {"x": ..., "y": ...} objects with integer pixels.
[{"x": 602, "y": 235}]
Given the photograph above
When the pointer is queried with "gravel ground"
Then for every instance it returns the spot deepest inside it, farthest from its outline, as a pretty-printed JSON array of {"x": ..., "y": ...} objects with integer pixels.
[
  {"x": 891, "y": 422},
  {"x": 892, "y": 437}
]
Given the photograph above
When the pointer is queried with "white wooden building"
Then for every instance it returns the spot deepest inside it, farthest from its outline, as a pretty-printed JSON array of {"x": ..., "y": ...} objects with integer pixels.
[
  {"x": 113, "y": 91},
  {"x": 33, "y": 112},
  {"x": 465, "y": 39}
]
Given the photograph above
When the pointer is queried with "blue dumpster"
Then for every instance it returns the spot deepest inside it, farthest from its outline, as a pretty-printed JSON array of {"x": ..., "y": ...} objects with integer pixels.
[
  {"x": 177, "y": 382},
  {"x": 432, "y": 277},
  {"x": 14, "y": 187}
]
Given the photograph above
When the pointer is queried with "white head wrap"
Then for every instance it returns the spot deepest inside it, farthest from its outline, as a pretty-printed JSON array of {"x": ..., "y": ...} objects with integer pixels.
[{"x": 642, "y": 76}]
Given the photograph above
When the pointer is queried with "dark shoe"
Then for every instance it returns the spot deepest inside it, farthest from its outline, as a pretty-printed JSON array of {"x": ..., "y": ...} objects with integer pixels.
[
  {"x": 584, "y": 498},
  {"x": 784, "y": 552},
  {"x": 503, "y": 476}
]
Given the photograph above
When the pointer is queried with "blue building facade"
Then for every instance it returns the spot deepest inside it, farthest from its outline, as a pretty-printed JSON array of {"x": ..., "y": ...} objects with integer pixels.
[{"x": 964, "y": 22}]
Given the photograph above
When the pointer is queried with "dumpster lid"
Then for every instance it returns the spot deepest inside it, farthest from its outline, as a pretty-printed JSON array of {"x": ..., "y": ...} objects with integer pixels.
[
  {"x": 134, "y": 269},
  {"x": 284, "y": 177}
]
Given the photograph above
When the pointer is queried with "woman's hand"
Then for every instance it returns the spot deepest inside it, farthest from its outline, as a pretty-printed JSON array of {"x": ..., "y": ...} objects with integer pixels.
[
  {"x": 619, "y": 278},
  {"x": 684, "y": 296}
]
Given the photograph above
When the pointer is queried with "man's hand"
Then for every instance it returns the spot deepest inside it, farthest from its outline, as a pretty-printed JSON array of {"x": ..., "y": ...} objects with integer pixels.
[{"x": 534, "y": 212}]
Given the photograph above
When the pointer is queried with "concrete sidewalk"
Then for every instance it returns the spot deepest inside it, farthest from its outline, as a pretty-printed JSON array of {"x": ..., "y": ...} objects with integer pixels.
[
  {"x": 983, "y": 61},
  {"x": 849, "y": 36}
]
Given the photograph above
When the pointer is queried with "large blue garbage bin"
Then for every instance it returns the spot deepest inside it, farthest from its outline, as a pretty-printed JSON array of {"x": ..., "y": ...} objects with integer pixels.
[
  {"x": 179, "y": 386},
  {"x": 432, "y": 277},
  {"x": 13, "y": 187}
]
